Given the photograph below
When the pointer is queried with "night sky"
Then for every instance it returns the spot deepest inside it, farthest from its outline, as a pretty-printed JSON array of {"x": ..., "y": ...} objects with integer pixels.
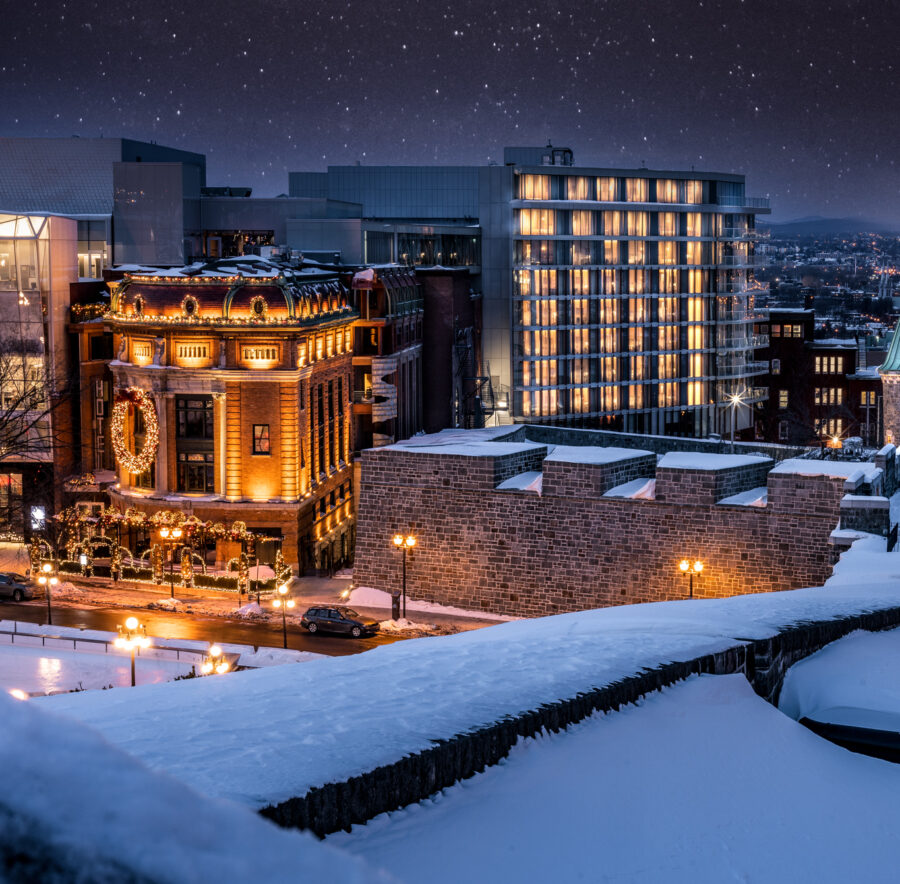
[{"x": 802, "y": 97}]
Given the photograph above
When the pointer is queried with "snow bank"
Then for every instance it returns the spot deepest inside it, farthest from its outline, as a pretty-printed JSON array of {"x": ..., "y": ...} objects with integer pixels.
[
  {"x": 532, "y": 480},
  {"x": 74, "y": 808},
  {"x": 852, "y": 681},
  {"x": 703, "y": 782},
  {"x": 700, "y": 460},
  {"x": 369, "y": 597},
  {"x": 352, "y": 714},
  {"x": 753, "y": 497},
  {"x": 835, "y": 469}
]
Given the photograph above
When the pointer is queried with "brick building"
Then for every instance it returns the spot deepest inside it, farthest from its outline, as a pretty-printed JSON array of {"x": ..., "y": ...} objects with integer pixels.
[
  {"x": 819, "y": 390},
  {"x": 509, "y": 522},
  {"x": 230, "y": 396}
]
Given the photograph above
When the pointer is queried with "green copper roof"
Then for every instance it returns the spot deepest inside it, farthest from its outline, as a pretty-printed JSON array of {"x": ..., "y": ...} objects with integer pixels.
[{"x": 892, "y": 360}]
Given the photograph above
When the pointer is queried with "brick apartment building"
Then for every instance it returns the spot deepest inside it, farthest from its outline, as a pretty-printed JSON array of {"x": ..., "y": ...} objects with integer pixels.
[{"x": 819, "y": 391}]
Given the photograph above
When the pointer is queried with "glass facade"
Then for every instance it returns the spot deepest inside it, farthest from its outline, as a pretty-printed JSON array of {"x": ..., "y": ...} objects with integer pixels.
[{"x": 635, "y": 317}]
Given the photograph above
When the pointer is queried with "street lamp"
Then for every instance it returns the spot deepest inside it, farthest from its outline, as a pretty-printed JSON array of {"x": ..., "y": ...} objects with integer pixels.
[
  {"x": 689, "y": 569},
  {"x": 405, "y": 544},
  {"x": 48, "y": 580},
  {"x": 283, "y": 601},
  {"x": 171, "y": 537},
  {"x": 132, "y": 636},
  {"x": 736, "y": 401},
  {"x": 214, "y": 662}
]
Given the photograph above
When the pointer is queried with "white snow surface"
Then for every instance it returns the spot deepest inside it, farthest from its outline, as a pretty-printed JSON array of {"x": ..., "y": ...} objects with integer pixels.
[
  {"x": 72, "y": 797},
  {"x": 836, "y": 469},
  {"x": 636, "y": 489},
  {"x": 753, "y": 497},
  {"x": 701, "y": 460},
  {"x": 266, "y": 735},
  {"x": 701, "y": 783},
  {"x": 852, "y": 681},
  {"x": 369, "y": 597},
  {"x": 593, "y": 454},
  {"x": 532, "y": 480}
]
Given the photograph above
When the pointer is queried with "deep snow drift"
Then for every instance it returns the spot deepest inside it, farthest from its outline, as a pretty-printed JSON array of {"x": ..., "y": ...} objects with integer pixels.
[
  {"x": 75, "y": 809},
  {"x": 854, "y": 681},
  {"x": 702, "y": 783}
]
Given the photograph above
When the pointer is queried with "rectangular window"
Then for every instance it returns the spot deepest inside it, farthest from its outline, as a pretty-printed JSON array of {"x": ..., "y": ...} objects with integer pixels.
[
  {"x": 776, "y": 366},
  {"x": 261, "y": 439},
  {"x": 637, "y": 223},
  {"x": 576, "y": 188},
  {"x": 606, "y": 189},
  {"x": 196, "y": 473},
  {"x": 666, "y": 190},
  {"x": 693, "y": 191},
  {"x": 668, "y": 252},
  {"x": 541, "y": 222},
  {"x": 610, "y": 251},
  {"x": 582, "y": 223},
  {"x": 194, "y": 417},
  {"x": 612, "y": 223},
  {"x": 694, "y": 253},
  {"x": 636, "y": 190},
  {"x": 635, "y": 396},
  {"x": 783, "y": 398},
  {"x": 668, "y": 309},
  {"x": 534, "y": 187},
  {"x": 782, "y": 431},
  {"x": 637, "y": 251},
  {"x": 668, "y": 395},
  {"x": 667, "y": 224},
  {"x": 694, "y": 224}
]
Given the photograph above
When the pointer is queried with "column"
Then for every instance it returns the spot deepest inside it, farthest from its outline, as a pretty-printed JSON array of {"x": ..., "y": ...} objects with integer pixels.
[
  {"x": 162, "y": 451},
  {"x": 219, "y": 410},
  {"x": 233, "y": 462}
]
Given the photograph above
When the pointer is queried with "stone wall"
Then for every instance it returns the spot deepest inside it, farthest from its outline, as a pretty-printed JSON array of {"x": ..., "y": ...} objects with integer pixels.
[
  {"x": 519, "y": 553},
  {"x": 336, "y": 806},
  {"x": 708, "y": 486},
  {"x": 565, "y": 479}
]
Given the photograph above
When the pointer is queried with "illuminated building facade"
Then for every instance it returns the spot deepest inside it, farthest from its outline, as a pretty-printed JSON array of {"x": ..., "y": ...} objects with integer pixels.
[{"x": 231, "y": 400}]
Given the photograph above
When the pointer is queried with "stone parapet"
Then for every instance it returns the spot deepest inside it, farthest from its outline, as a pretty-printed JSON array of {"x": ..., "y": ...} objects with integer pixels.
[{"x": 592, "y": 480}]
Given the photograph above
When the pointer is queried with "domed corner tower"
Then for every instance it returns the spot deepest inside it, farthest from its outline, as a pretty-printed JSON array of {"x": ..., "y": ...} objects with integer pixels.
[{"x": 890, "y": 382}]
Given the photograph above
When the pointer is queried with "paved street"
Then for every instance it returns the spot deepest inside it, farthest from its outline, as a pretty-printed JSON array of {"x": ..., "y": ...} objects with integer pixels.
[{"x": 168, "y": 625}]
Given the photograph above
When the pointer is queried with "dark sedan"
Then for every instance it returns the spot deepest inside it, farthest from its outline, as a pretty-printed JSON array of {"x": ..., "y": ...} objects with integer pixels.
[
  {"x": 15, "y": 587},
  {"x": 338, "y": 619}
]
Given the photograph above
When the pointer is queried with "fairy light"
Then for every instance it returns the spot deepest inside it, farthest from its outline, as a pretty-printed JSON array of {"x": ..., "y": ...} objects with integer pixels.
[{"x": 140, "y": 461}]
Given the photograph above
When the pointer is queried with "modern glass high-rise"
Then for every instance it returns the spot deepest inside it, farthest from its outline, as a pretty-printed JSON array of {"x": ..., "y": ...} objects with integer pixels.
[{"x": 611, "y": 298}]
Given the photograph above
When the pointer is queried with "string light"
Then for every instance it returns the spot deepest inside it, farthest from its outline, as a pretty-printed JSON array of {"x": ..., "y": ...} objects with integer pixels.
[{"x": 140, "y": 461}]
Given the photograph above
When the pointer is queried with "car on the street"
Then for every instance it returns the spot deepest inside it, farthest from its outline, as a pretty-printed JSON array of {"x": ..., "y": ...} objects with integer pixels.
[
  {"x": 340, "y": 619},
  {"x": 15, "y": 587}
]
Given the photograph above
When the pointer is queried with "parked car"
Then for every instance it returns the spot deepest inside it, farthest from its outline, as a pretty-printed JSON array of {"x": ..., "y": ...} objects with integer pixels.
[
  {"x": 15, "y": 587},
  {"x": 338, "y": 619}
]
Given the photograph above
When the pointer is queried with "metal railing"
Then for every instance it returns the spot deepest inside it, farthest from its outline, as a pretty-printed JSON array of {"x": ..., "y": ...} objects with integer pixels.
[
  {"x": 744, "y": 233},
  {"x": 749, "y": 202},
  {"x": 363, "y": 395},
  {"x": 748, "y": 342},
  {"x": 733, "y": 370}
]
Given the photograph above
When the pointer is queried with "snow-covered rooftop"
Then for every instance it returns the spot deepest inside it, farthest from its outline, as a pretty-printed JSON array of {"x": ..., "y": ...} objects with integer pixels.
[
  {"x": 593, "y": 454},
  {"x": 699, "y": 460},
  {"x": 836, "y": 469}
]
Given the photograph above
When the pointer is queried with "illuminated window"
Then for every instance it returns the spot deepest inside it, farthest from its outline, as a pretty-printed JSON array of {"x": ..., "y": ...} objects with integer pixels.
[
  {"x": 582, "y": 223},
  {"x": 697, "y": 281},
  {"x": 694, "y": 253},
  {"x": 668, "y": 309},
  {"x": 694, "y": 224},
  {"x": 696, "y": 392},
  {"x": 610, "y": 251},
  {"x": 609, "y": 368},
  {"x": 637, "y": 223},
  {"x": 606, "y": 189},
  {"x": 667, "y": 366},
  {"x": 693, "y": 191},
  {"x": 608, "y": 310},
  {"x": 581, "y": 252},
  {"x": 783, "y": 398},
  {"x": 668, "y": 282},
  {"x": 696, "y": 337},
  {"x": 635, "y": 396},
  {"x": 579, "y": 282},
  {"x": 608, "y": 340},
  {"x": 581, "y": 400},
  {"x": 668, "y": 224},
  {"x": 579, "y": 308},
  {"x": 638, "y": 310},
  {"x": 609, "y": 282},
  {"x": 541, "y": 222},
  {"x": 534, "y": 187},
  {"x": 695, "y": 367},
  {"x": 637, "y": 251},
  {"x": 635, "y": 341},
  {"x": 636, "y": 190},
  {"x": 638, "y": 282},
  {"x": 638, "y": 366},
  {"x": 668, "y": 252},
  {"x": 696, "y": 309},
  {"x": 576, "y": 188},
  {"x": 609, "y": 398},
  {"x": 612, "y": 223},
  {"x": 668, "y": 337},
  {"x": 666, "y": 191},
  {"x": 668, "y": 395},
  {"x": 261, "y": 439}
]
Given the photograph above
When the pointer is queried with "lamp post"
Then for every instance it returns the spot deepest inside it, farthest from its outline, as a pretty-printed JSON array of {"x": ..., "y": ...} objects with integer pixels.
[
  {"x": 405, "y": 544},
  {"x": 283, "y": 601},
  {"x": 736, "y": 401},
  {"x": 689, "y": 569},
  {"x": 132, "y": 636},
  {"x": 48, "y": 580},
  {"x": 214, "y": 662},
  {"x": 171, "y": 537}
]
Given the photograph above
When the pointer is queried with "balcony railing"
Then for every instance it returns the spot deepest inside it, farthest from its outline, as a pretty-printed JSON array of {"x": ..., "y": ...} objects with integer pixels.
[
  {"x": 744, "y": 234},
  {"x": 748, "y": 342},
  {"x": 742, "y": 261},
  {"x": 732, "y": 370},
  {"x": 364, "y": 396},
  {"x": 747, "y": 202},
  {"x": 748, "y": 396}
]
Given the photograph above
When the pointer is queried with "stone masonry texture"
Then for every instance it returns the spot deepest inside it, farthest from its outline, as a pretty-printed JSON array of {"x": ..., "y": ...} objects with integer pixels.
[{"x": 524, "y": 554}]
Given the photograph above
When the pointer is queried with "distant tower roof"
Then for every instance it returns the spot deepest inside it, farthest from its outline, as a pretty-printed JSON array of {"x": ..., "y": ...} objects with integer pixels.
[{"x": 892, "y": 360}]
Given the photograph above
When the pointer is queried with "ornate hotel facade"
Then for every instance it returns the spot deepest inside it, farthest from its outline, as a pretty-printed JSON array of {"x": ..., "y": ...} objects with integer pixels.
[{"x": 230, "y": 400}]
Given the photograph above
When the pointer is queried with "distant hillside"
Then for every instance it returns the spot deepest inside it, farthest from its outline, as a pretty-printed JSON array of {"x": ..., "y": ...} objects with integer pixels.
[{"x": 816, "y": 225}]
